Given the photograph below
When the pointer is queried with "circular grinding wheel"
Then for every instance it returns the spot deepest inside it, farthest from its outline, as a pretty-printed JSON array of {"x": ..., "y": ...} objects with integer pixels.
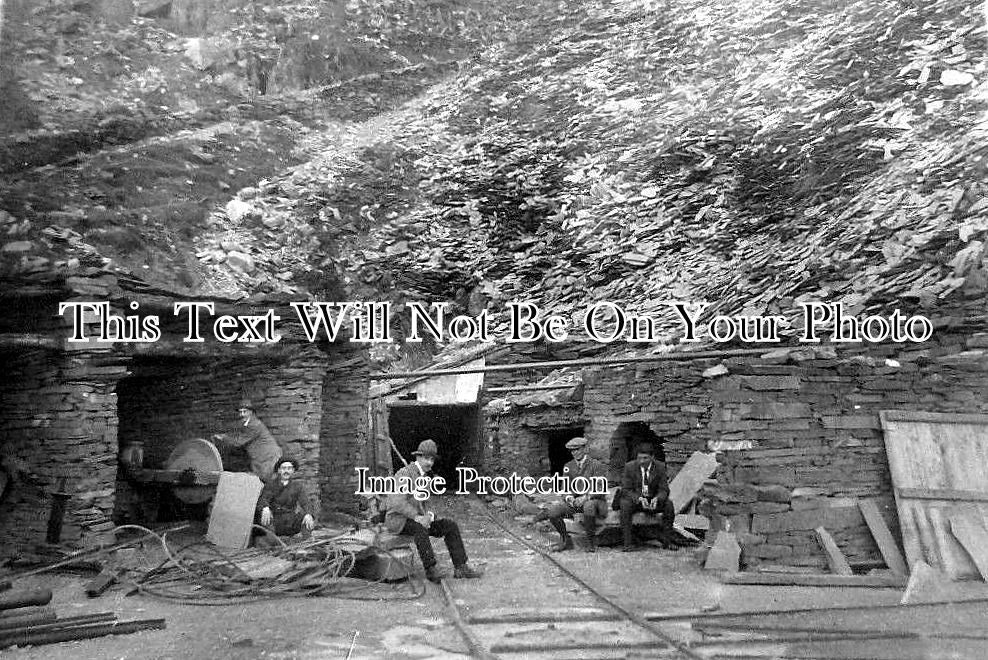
[{"x": 200, "y": 455}]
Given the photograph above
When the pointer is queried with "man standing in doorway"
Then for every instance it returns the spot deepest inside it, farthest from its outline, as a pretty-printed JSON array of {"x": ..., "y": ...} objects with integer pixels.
[
  {"x": 410, "y": 517},
  {"x": 592, "y": 507},
  {"x": 644, "y": 487},
  {"x": 251, "y": 434}
]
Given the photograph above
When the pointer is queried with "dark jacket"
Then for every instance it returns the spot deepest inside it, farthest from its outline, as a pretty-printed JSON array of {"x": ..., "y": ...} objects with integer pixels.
[
  {"x": 658, "y": 484},
  {"x": 261, "y": 446},
  {"x": 591, "y": 468},
  {"x": 284, "y": 500}
]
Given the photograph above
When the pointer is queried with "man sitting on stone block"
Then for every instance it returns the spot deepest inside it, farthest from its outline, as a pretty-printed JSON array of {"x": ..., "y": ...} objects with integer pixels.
[
  {"x": 593, "y": 507},
  {"x": 644, "y": 488},
  {"x": 410, "y": 517},
  {"x": 283, "y": 506}
]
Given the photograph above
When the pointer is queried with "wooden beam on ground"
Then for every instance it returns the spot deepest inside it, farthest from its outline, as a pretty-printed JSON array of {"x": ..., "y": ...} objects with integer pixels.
[
  {"x": 948, "y": 494},
  {"x": 796, "y": 580},
  {"x": 835, "y": 558},
  {"x": 883, "y": 537}
]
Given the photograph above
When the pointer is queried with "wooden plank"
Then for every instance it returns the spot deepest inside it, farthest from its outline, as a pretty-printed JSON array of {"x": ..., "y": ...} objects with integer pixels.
[
  {"x": 931, "y": 417},
  {"x": 686, "y": 483},
  {"x": 947, "y": 494},
  {"x": 835, "y": 558},
  {"x": 955, "y": 560},
  {"x": 233, "y": 509},
  {"x": 973, "y": 537},
  {"x": 883, "y": 537},
  {"x": 795, "y": 580}
]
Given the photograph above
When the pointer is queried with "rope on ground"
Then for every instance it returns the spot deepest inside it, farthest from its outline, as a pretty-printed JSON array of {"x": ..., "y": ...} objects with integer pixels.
[
  {"x": 202, "y": 574},
  {"x": 637, "y": 619}
]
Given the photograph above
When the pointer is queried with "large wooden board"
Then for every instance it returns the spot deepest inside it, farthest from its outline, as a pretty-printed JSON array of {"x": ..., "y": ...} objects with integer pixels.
[
  {"x": 233, "y": 509},
  {"x": 934, "y": 460},
  {"x": 688, "y": 480}
]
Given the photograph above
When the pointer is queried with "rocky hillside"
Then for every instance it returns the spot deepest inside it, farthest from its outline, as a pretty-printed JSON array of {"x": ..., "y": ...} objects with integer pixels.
[{"x": 750, "y": 155}]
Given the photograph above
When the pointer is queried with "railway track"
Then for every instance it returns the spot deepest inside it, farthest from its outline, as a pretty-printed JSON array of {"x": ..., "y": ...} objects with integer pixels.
[
  {"x": 596, "y": 625},
  {"x": 607, "y": 629}
]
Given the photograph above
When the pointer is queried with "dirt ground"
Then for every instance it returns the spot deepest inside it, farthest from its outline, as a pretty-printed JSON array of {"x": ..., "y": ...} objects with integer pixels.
[{"x": 389, "y": 625}]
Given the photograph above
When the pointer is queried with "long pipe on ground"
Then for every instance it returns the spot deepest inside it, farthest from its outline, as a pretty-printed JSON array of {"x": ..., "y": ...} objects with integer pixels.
[
  {"x": 58, "y": 624},
  {"x": 82, "y": 632},
  {"x": 36, "y": 615},
  {"x": 25, "y": 598}
]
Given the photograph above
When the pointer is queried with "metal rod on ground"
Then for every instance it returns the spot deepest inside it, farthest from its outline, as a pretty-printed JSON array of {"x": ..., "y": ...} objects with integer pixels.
[
  {"x": 585, "y": 362},
  {"x": 477, "y": 649},
  {"x": 503, "y": 647},
  {"x": 535, "y": 617},
  {"x": 67, "y": 622},
  {"x": 637, "y": 619},
  {"x": 25, "y": 598},
  {"x": 710, "y": 616},
  {"x": 83, "y": 632},
  {"x": 39, "y": 615}
]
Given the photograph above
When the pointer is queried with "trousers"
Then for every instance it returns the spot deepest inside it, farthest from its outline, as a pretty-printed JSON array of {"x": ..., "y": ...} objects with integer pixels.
[
  {"x": 630, "y": 505},
  {"x": 440, "y": 527},
  {"x": 592, "y": 510}
]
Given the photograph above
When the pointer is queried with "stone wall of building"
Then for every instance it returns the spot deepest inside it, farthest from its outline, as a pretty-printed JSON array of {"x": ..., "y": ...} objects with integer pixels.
[
  {"x": 343, "y": 433},
  {"x": 514, "y": 442},
  {"x": 58, "y": 432},
  {"x": 167, "y": 400},
  {"x": 797, "y": 433}
]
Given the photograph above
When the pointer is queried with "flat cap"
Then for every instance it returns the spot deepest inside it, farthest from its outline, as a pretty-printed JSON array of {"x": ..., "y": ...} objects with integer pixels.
[{"x": 576, "y": 443}]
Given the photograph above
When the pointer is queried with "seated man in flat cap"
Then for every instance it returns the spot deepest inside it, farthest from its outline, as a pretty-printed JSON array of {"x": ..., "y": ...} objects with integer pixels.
[
  {"x": 644, "y": 488},
  {"x": 408, "y": 516},
  {"x": 592, "y": 507}
]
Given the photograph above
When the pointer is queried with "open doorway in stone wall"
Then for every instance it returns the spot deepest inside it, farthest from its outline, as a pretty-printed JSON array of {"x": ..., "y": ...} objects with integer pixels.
[
  {"x": 626, "y": 438},
  {"x": 558, "y": 454},
  {"x": 454, "y": 428}
]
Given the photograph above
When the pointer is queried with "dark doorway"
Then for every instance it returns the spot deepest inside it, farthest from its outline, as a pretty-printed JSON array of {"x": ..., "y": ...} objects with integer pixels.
[
  {"x": 453, "y": 428},
  {"x": 627, "y": 437},
  {"x": 558, "y": 454}
]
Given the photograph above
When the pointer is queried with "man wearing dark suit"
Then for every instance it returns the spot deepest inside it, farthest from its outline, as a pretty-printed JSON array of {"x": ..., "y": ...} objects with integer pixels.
[
  {"x": 251, "y": 434},
  {"x": 283, "y": 505},
  {"x": 644, "y": 487},
  {"x": 410, "y": 517}
]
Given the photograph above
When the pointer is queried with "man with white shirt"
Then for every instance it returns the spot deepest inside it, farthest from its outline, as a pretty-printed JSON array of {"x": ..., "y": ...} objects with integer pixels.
[
  {"x": 251, "y": 434},
  {"x": 410, "y": 517},
  {"x": 644, "y": 487}
]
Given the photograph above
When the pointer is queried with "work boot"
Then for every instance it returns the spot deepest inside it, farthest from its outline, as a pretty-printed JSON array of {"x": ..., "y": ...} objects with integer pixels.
[
  {"x": 433, "y": 574},
  {"x": 565, "y": 543},
  {"x": 465, "y": 572},
  {"x": 591, "y": 544}
]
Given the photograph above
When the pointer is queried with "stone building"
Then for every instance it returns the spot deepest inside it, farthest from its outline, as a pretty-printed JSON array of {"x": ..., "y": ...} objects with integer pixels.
[
  {"x": 69, "y": 407},
  {"x": 796, "y": 430}
]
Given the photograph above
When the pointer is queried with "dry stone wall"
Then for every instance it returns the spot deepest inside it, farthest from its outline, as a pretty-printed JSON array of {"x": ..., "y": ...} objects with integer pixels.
[
  {"x": 58, "y": 431},
  {"x": 797, "y": 433}
]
